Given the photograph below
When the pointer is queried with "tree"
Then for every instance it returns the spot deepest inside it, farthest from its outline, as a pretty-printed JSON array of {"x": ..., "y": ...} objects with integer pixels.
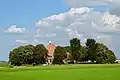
[
  {"x": 110, "y": 56},
  {"x": 83, "y": 56},
  {"x": 90, "y": 46},
  {"x": 68, "y": 49},
  {"x": 104, "y": 55},
  {"x": 16, "y": 56},
  {"x": 69, "y": 56},
  {"x": 40, "y": 54},
  {"x": 75, "y": 48},
  {"x": 21, "y": 55},
  {"x": 28, "y": 54},
  {"x": 101, "y": 53},
  {"x": 59, "y": 55}
]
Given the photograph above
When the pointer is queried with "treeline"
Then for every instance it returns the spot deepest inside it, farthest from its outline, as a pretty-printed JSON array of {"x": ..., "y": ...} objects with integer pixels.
[{"x": 35, "y": 55}]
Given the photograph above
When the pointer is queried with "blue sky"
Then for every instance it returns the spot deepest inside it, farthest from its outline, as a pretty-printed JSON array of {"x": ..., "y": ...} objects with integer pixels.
[
  {"x": 24, "y": 13},
  {"x": 18, "y": 20},
  {"x": 27, "y": 12}
]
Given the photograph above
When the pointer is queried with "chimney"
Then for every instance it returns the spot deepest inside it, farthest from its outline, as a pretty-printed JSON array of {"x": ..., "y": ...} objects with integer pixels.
[{"x": 50, "y": 42}]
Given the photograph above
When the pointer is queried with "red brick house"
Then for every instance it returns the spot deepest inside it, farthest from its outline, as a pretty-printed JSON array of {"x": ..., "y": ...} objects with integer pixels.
[{"x": 50, "y": 56}]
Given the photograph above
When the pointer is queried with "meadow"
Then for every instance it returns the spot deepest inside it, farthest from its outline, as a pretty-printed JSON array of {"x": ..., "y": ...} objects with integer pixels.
[{"x": 63, "y": 72}]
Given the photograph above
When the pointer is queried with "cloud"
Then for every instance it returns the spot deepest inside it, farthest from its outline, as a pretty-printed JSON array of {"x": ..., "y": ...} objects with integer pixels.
[
  {"x": 15, "y": 29},
  {"x": 106, "y": 39},
  {"x": 22, "y": 41},
  {"x": 108, "y": 23},
  {"x": 35, "y": 40},
  {"x": 82, "y": 23},
  {"x": 115, "y": 5},
  {"x": 51, "y": 35},
  {"x": 81, "y": 3},
  {"x": 112, "y": 4}
]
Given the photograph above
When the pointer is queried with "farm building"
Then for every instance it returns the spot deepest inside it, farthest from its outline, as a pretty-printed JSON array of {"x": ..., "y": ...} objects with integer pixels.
[{"x": 50, "y": 56}]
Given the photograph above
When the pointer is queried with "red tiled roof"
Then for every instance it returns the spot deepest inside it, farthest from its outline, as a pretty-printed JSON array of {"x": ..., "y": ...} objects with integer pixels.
[{"x": 51, "y": 48}]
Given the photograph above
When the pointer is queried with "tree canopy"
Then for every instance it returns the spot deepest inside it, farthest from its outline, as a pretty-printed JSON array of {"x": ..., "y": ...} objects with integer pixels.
[
  {"x": 75, "y": 48},
  {"x": 59, "y": 55},
  {"x": 92, "y": 50},
  {"x": 28, "y": 55},
  {"x": 91, "y": 47}
]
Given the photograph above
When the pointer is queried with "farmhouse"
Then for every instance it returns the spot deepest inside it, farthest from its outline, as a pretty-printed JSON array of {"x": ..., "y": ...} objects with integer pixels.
[{"x": 50, "y": 55}]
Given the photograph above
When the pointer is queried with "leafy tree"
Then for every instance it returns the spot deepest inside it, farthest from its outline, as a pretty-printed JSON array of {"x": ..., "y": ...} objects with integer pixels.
[
  {"x": 40, "y": 54},
  {"x": 28, "y": 54},
  {"x": 69, "y": 56},
  {"x": 83, "y": 56},
  {"x": 16, "y": 56},
  {"x": 101, "y": 53},
  {"x": 93, "y": 51},
  {"x": 59, "y": 55},
  {"x": 75, "y": 48},
  {"x": 90, "y": 46},
  {"x": 68, "y": 49},
  {"x": 104, "y": 55},
  {"x": 110, "y": 56}
]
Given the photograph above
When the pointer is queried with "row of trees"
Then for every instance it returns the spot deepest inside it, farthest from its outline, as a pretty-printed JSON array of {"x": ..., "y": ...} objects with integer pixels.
[
  {"x": 93, "y": 51},
  {"x": 28, "y": 55},
  {"x": 35, "y": 55}
]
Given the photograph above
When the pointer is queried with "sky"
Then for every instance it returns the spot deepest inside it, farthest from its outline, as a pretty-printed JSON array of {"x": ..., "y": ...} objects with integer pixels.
[{"x": 34, "y": 22}]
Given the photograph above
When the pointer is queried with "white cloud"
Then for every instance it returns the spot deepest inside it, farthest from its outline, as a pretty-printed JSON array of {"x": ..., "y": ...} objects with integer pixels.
[
  {"x": 114, "y": 5},
  {"x": 35, "y": 40},
  {"x": 107, "y": 23},
  {"x": 51, "y": 35},
  {"x": 106, "y": 39},
  {"x": 81, "y": 22},
  {"x": 22, "y": 41},
  {"x": 81, "y": 3},
  {"x": 15, "y": 29}
]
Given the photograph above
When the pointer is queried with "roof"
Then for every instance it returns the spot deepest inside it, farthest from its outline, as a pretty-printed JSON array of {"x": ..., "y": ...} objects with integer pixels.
[{"x": 51, "y": 48}]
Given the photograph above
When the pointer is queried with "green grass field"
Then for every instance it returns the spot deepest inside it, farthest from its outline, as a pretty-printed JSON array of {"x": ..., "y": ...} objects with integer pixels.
[{"x": 63, "y": 72}]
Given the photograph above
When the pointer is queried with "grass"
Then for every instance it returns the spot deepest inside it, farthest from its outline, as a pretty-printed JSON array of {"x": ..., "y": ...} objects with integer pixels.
[
  {"x": 63, "y": 72},
  {"x": 4, "y": 64}
]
